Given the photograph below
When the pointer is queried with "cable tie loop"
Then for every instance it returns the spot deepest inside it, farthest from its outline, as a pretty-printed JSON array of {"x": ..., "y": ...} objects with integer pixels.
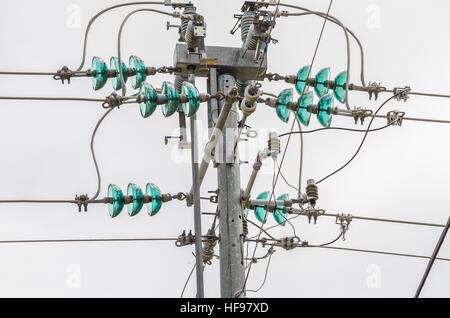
[
  {"x": 63, "y": 74},
  {"x": 82, "y": 201},
  {"x": 113, "y": 100}
]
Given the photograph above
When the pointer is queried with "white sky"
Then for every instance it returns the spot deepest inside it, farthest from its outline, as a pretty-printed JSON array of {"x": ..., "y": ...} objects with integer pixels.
[{"x": 401, "y": 173}]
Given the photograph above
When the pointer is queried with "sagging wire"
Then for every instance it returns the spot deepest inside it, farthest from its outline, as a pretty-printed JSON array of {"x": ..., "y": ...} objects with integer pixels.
[
  {"x": 99, "y": 179},
  {"x": 92, "y": 20},
  {"x": 303, "y": 245},
  {"x": 187, "y": 280},
  {"x": 299, "y": 192},
  {"x": 335, "y": 21},
  {"x": 333, "y": 241},
  {"x": 347, "y": 44},
  {"x": 362, "y": 142},
  {"x": 335, "y": 128},
  {"x": 119, "y": 36},
  {"x": 270, "y": 253}
]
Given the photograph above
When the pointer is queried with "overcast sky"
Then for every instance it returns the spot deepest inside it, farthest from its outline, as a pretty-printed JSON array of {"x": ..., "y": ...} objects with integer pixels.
[{"x": 400, "y": 173}]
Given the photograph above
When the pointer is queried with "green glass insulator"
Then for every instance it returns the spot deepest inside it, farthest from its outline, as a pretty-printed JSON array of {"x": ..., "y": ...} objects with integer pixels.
[
  {"x": 189, "y": 90},
  {"x": 100, "y": 73},
  {"x": 118, "y": 200},
  {"x": 339, "y": 86},
  {"x": 137, "y": 196},
  {"x": 281, "y": 212},
  {"x": 114, "y": 65},
  {"x": 283, "y": 104},
  {"x": 148, "y": 98},
  {"x": 302, "y": 77},
  {"x": 138, "y": 66},
  {"x": 173, "y": 99},
  {"x": 322, "y": 82},
  {"x": 261, "y": 210},
  {"x": 325, "y": 111},
  {"x": 156, "y": 200},
  {"x": 304, "y": 108}
]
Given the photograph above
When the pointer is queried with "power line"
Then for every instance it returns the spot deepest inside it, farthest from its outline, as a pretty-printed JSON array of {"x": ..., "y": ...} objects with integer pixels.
[
  {"x": 187, "y": 280},
  {"x": 379, "y": 252},
  {"x": 29, "y": 73},
  {"x": 97, "y": 169},
  {"x": 388, "y": 220},
  {"x": 87, "y": 240},
  {"x": 78, "y": 99},
  {"x": 335, "y": 128},
  {"x": 432, "y": 259},
  {"x": 266, "y": 243}
]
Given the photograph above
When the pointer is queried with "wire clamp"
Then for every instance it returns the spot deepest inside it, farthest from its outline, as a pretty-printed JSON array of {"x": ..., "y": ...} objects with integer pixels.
[
  {"x": 274, "y": 77},
  {"x": 63, "y": 74},
  {"x": 395, "y": 117},
  {"x": 344, "y": 221},
  {"x": 288, "y": 243},
  {"x": 374, "y": 89},
  {"x": 82, "y": 201},
  {"x": 255, "y": 260},
  {"x": 313, "y": 213},
  {"x": 402, "y": 93},
  {"x": 184, "y": 240},
  {"x": 167, "y": 70},
  {"x": 359, "y": 114},
  {"x": 113, "y": 100}
]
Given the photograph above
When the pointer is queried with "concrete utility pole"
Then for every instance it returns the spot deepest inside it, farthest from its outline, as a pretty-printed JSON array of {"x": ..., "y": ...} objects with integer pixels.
[{"x": 230, "y": 220}]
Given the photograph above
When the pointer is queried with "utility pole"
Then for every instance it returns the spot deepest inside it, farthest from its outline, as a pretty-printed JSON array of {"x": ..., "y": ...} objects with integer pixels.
[
  {"x": 196, "y": 201},
  {"x": 229, "y": 203}
]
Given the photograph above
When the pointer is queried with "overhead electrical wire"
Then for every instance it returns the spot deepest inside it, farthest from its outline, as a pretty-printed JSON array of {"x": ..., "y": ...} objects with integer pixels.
[
  {"x": 92, "y": 20},
  {"x": 362, "y": 141},
  {"x": 347, "y": 46},
  {"x": 86, "y": 34},
  {"x": 97, "y": 169},
  {"x": 432, "y": 259},
  {"x": 265, "y": 276},
  {"x": 323, "y": 15},
  {"x": 333, "y": 241},
  {"x": 361, "y": 251},
  {"x": 334, "y": 128},
  {"x": 379, "y": 252},
  {"x": 300, "y": 169},
  {"x": 119, "y": 37},
  {"x": 187, "y": 281},
  {"x": 87, "y": 240},
  {"x": 335, "y": 21}
]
